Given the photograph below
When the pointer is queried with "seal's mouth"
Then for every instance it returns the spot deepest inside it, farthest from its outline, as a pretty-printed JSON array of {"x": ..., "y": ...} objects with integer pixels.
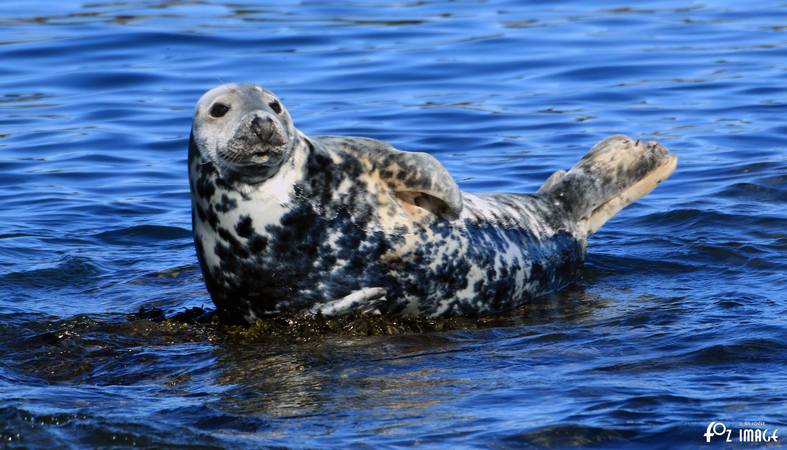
[
  {"x": 259, "y": 141},
  {"x": 259, "y": 154},
  {"x": 249, "y": 161}
]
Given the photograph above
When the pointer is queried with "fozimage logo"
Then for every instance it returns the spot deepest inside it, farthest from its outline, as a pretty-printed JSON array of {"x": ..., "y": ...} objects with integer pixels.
[{"x": 750, "y": 434}]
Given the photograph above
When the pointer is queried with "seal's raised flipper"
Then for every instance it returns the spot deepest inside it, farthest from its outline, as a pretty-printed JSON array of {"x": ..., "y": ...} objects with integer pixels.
[
  {"x": 416, "y": 177},
  {"x": 421, "y": 179},
  {"x": 363, "y": 301},
  {"x": 613, "y": 174}
]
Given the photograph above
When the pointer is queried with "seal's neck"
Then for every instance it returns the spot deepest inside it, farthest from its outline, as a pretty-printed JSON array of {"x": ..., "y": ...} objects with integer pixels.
[{"x": 289, "y": 173}]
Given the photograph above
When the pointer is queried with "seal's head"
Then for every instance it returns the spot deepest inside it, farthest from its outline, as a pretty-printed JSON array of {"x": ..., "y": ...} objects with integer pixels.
[{"x": 244, "y": 130}]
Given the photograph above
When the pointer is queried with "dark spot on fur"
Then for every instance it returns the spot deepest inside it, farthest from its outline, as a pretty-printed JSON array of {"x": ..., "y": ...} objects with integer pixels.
[
  {"x": 226, "y": 204},
  {"x": 205, "y": 189},
  {"x": 200, "y": 212},
  {"x": 257, "y": 243},
  {"x": 213, "y": 218},
  {"x": 244, "y": 226},
  {"x": 235, "y": 245}
]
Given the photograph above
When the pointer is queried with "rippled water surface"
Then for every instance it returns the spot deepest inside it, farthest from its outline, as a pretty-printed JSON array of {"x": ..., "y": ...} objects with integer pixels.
[{"x": 678, "y": 320}]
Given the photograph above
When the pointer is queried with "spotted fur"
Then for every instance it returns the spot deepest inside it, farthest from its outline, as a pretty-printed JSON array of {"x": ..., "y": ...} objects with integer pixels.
[{"x": 341, "y": 215}]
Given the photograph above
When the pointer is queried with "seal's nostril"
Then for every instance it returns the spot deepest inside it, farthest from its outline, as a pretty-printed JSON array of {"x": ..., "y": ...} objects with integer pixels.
[{"x": 264, "y": 129}]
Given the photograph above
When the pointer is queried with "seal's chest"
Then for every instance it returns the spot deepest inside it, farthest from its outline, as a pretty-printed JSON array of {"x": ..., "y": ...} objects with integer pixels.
[{"x": 228, "y": 221}]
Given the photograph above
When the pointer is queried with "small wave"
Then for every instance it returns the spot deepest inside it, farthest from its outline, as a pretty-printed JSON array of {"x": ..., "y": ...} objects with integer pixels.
[
  {"x": 25, "y": 425},
  {"x": 742, "y": 351},
  {"x": 70, "y": 271},
  {"x": 698, "y": 219},
  {"x": 20, "y": 426},
  {"x": 752, "y": 350},
  {"x": 143, "y": 235},
  {"x": 756, "y": 192},
  {"x": 626, "y": 264},
  {"x": 567, "y": 435}
]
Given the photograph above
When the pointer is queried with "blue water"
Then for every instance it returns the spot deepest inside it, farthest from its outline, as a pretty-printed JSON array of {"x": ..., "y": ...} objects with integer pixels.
[{"x": 678, "y": 320}]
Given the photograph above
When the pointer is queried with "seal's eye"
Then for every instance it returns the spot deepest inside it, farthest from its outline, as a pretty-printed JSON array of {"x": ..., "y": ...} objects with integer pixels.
[
  {"x": 219, "y": 110},
  {"x": 275, "y": 106}
]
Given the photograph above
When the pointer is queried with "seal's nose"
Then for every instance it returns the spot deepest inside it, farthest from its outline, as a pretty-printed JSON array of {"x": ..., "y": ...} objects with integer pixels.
[
  {"x": 267, "y": 130},
  {"x": 258, "y": 126}
]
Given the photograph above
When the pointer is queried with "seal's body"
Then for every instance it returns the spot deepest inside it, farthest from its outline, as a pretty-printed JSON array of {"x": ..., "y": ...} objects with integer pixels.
[{"x": 285, "y": 222}]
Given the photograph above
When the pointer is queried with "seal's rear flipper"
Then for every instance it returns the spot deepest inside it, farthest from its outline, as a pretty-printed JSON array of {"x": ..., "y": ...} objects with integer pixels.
[
  {"x": 551, "y": 181},
  {"x": 615, "y": 173},
  {"x": 363, "y": 301}
]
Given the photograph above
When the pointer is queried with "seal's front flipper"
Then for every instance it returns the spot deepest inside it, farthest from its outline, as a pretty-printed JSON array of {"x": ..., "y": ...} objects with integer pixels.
[
  {"x": 362, "y": 301},
  {"x": 417, "y": 178},
  {"x": 420, "y": 179}
]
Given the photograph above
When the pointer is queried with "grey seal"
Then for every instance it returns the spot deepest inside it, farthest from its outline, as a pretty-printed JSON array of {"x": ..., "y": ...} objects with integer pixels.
[{"x": 284, "y": 222}]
